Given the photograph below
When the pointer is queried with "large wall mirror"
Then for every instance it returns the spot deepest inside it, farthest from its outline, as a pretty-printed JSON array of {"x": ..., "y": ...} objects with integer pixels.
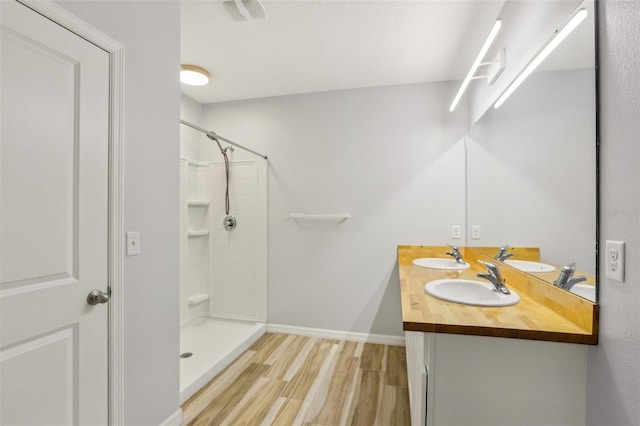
[{"x": 531, "y": 168}]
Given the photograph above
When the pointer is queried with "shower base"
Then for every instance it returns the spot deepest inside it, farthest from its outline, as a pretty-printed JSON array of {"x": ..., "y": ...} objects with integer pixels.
[{"x": 214, "y": 344}]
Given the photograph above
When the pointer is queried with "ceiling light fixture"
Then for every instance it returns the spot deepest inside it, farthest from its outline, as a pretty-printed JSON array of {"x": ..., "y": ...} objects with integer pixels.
[
  {"x": 194, "y": 75},
  {"x": 470, "y": 76},
  {"x": 548, "y": 48}
]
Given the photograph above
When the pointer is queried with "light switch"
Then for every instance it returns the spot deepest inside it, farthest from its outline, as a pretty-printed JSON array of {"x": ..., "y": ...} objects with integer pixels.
[{"x": 133, "y": 243}]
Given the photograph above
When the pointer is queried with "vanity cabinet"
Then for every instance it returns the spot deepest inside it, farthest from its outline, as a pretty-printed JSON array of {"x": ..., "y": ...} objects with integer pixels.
[{"x": 477, "y": 380}]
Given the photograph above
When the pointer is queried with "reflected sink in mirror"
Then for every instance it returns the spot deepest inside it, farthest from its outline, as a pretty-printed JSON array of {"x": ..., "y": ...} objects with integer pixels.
[
  {"x": 440, "y": 263},
  {"x": 584, "y": 290},
  {"x": 470, "y": 292},
  {"x": 529, "y": 266}
]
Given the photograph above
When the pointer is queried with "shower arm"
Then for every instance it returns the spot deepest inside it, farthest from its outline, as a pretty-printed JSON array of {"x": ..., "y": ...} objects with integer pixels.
[{"x": 213, "y": 136}]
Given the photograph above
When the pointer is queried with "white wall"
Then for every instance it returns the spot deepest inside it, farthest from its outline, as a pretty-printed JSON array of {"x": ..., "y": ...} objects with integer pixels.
[
  {"x": 613, "y": 390},
  {"x": 150, "y": 32},
  {"x": 393, "y": 157},
  {"x": 190, "y": 139},
  {"x": 531, "y": 167}
]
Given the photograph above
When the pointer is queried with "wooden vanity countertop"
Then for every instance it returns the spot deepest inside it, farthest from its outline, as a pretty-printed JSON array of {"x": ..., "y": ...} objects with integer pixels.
[{"x": 549, "y": 314}]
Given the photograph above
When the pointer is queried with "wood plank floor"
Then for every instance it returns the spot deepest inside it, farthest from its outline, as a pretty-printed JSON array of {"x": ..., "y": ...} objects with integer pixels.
[{"x": 289, "y": 380}]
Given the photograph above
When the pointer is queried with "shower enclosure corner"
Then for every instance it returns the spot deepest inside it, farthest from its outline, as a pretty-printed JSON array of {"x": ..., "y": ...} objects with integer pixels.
[{"x": 223, "y": 271}]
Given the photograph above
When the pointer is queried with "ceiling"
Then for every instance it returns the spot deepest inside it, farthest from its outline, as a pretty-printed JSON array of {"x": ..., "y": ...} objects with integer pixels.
[{"x": 322, "y": 45}]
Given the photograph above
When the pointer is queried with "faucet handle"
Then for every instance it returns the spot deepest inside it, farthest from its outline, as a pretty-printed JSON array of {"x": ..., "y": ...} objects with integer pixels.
[
  {"x": 502, "y": 254},
  {"x": 494, "y": 277},
  {"x": 455, "y": 253},
  {"x": 576, "y": 279},
  {"x": 490, "y": 266},
  {"x": 493, "y": 269}
]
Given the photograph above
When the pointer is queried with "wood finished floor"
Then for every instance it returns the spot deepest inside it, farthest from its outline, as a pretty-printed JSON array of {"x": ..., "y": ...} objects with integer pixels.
[{"x": 289, "y": 380}]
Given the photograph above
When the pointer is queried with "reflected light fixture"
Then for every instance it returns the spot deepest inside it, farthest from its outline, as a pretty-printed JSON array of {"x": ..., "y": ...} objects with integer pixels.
[
  {"x": 194, "y": 75},
  {"x": 551, "y": 45},
  {"x": 492, "y": 35}
]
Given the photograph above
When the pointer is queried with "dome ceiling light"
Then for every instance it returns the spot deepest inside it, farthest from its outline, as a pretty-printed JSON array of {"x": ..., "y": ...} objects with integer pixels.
[{"x": 194, "y": 75}]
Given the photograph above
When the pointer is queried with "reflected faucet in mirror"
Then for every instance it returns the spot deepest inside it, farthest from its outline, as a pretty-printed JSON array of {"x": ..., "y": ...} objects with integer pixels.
[
  {"x": 566, "y": 279},
  {"x": 455, "y": 253},
  {"x": 494, "y": 277},
  {"x": 502, "y": 254}
]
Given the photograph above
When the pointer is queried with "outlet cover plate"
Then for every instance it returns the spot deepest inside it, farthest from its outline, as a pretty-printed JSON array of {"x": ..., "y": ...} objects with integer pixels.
[
  {"x": 615, "y": 260},
  {"x": 133, "y": 243}
]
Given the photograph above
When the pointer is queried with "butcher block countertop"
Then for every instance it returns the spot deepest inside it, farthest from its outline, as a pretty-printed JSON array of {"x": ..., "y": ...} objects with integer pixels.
[{"x": 544, "y": 312}]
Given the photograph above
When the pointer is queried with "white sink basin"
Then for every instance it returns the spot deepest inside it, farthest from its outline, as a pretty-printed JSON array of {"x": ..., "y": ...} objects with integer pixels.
[
  {"x": 529, "y": 266},
  {"x": 440, "y": 263},
  {"x": 470, "y": 292},
  {"x": 585, "y": 290}
]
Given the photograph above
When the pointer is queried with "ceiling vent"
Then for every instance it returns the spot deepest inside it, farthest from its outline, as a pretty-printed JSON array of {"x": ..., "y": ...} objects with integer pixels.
[{"x": 244, "y": 10}]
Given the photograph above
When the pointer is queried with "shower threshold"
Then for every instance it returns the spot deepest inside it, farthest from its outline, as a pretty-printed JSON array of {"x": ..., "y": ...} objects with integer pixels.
[{"x": 214, "y": 344}]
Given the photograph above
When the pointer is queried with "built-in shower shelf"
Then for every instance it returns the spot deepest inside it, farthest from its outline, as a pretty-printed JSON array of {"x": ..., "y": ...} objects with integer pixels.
[
  {"x": 197, "y": 299},
  {"x": 198, "y": 203},
  {"x": 195, "y": 234}
]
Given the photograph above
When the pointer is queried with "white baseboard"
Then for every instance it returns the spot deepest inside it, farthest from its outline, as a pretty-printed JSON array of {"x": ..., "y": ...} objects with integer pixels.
[
  {"x": 173, "y": 420},
  {"x": 336, "y": 334}
]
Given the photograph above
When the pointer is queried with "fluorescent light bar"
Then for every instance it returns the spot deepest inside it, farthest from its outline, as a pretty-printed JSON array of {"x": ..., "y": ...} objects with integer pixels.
[
  {"x": 555, "y": 41},
  {"x": 476, "y": 63}
]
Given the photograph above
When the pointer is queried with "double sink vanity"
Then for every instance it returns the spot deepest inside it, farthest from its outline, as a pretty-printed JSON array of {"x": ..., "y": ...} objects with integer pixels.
[
  {"x": 490, "y": 358},
  {"x": 501, "y": 337}
]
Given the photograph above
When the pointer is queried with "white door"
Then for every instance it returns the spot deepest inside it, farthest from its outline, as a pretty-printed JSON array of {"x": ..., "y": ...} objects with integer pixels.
[{"x": 53, "y": 223}]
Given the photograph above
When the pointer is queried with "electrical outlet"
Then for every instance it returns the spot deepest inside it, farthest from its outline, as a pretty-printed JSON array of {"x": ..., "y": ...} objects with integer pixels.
[
  {"x": 613, "y": 254},
  {"x": 475, "y": 232},
  {"x": 615, "y": 262},
  {"x": 456, "y": 232},
  {"x": 133, "y": 243}
]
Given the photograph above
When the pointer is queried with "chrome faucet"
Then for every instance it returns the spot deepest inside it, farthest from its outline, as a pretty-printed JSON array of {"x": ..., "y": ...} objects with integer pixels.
[
  {"x": 455, "y": 253},
  {"x": 502, "y": 254},
  {"x": 566, "y": 279},
  {"x": 494, "y": 277}
]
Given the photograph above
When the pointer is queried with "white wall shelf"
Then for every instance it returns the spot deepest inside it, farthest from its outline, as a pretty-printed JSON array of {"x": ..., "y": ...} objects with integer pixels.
[
  {"x": 197, "y": 299},
  {"x": 198, "y": 203},
  {"x": 321, "y": 217},
  {"x": 195, "y": 234}
]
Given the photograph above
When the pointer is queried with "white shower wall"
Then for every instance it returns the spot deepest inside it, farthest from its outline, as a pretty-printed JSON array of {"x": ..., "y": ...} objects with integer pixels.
[
  {"x": 223, "y": 273},
  {"x": 238, "y": 257},
  {"x": 230, "y": 267}
]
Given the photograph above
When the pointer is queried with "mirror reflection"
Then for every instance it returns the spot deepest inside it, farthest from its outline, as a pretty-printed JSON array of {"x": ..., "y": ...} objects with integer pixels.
[{"x": 531, "y": 170}]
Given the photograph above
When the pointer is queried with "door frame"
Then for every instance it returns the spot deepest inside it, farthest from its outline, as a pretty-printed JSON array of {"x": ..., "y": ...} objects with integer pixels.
[{"x": 116, "y": 52}]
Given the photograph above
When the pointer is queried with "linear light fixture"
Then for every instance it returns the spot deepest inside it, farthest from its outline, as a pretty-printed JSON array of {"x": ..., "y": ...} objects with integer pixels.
[
  {"x": 551, "y": 45},
  {"x": 492, "y": 35}
]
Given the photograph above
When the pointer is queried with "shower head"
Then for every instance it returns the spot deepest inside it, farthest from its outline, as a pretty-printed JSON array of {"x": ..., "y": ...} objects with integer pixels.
[{"x": 213, "y": 137}]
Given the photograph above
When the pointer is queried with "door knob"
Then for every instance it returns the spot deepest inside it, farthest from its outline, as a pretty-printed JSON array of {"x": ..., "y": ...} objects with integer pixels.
[{"x": 97, "y": 296}]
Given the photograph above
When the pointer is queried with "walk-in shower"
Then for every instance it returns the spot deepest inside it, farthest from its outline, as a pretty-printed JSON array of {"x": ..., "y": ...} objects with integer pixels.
[{"x": 223, "y": 257}]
